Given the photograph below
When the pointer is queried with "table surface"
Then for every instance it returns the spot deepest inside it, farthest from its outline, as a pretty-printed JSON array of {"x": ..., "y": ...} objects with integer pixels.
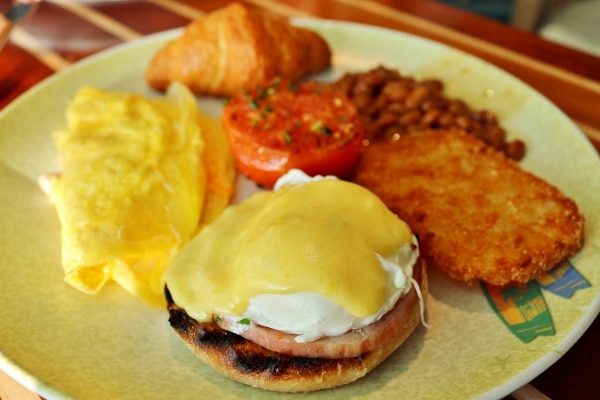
[{"x": 39, "y": 47}]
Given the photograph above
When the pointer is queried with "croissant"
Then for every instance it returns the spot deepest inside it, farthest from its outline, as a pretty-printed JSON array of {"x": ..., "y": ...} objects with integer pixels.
[{"x": 237, "y": 47}]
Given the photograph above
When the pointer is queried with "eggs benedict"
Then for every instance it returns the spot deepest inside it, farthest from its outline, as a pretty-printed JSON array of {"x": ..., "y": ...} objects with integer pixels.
[{"x": 306, "y": 287}]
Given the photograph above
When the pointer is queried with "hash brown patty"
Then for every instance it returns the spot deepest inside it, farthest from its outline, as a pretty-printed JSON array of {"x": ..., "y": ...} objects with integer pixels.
[{"x": 477, "y": 214}]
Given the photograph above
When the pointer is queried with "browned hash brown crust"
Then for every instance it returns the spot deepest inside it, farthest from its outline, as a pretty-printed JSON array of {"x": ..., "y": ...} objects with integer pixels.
[
  {"x": 247, "y": 362},
  {"x": 477, "y": 214}
]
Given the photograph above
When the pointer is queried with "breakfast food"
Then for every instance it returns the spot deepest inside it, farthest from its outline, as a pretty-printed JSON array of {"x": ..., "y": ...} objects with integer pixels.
[
  {"x": 133, "y": 186},
  {"x": 282, "y": 126},
  {"x": 391, "y": 104},
  {"x": 477, "y": 214},
  {"x": 219, "y": 165},
  {"x": 303, "y": 288},
  {"x": 235, "y": 48}
]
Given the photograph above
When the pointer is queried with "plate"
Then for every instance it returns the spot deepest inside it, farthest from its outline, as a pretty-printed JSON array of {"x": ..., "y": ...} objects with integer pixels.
[{"x": 67, "y": 345}]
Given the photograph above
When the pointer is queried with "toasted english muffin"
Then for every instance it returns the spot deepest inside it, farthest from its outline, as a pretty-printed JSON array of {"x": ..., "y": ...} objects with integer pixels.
[{"x": 246, "y": 362}]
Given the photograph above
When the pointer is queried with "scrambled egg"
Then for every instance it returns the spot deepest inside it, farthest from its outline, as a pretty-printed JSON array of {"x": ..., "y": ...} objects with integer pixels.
[{"x": 140, "y": 176}]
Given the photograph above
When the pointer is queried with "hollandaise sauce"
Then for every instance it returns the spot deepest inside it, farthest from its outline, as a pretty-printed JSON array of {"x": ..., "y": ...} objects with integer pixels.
[{"x": 326, "y": 238}]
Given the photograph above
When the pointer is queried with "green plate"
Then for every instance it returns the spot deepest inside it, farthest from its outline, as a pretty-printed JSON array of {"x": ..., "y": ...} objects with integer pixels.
[{"x": 67, "y": 345}]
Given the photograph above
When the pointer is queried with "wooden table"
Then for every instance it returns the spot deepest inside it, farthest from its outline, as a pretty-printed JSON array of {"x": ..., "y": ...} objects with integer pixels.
[{"x": 571, "y": 79}]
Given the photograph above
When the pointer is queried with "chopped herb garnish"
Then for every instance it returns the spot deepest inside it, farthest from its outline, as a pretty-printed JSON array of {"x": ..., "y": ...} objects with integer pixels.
[
  {"x": 268, "y": 109},
  {"x": 293, "y": 87},
  {"x": 253, "y": 104},
  {"x": 262, "y": 93},
  {"x": 287, "y": 137},
  {"x": 325, "y": 130},
  {"x": 244, "y": 321},
  {"x": 316, "y": 126},
  {"x": 218, "y": 318},
  {"x": 321, "y": 128},
  {"x": 273, "y": 87}
]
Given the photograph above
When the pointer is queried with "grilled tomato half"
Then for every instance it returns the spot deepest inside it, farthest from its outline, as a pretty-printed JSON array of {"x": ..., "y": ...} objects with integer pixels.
[{"x": 283, "y": 125}]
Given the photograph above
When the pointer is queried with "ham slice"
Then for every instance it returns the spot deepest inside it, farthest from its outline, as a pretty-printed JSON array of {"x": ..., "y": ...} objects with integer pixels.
[{"x": 351, "y": 344}]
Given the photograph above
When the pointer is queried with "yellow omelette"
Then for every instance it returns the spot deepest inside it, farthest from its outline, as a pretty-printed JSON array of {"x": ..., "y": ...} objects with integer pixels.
[{"x": 139, "y": 177}]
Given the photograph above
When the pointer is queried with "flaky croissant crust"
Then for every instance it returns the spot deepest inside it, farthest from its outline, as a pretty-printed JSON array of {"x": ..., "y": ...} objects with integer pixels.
[{"x": 237, "y": 47}]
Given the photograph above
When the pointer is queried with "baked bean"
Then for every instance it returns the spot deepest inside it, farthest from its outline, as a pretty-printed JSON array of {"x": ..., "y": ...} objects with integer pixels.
[
  {"x": 412, "y": 117},
  {"x": 381, "y": 102},
  {"x": 361, "y": 87},
  {"x": 457, "y": 107},
  {"x": 496, "y": 136},
  {"x": 478, "y": 126},
  {"x": 433, "y": 85},
  {"x": 463, "y": 122},
  {"x": 515, "y": 149},
  {"x": 346, "y": 83},
  {"x": 391, "y": 104},
  {"x": 446, "y": 120},
  {"x": 396, "y": 107},
  {"x": 431, "y": 117},
  {"x": 395, "y": 91},
  {"x": 386, "y": 120},
  {"x": 362, "y": 101},
  {"x": 416, "y": 97}
]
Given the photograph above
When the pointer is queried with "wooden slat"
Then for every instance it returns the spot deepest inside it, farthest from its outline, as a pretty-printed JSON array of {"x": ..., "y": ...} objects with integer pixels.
[
  {"x": 19, "y": 70},
  {"x": 34, "y": 45},
  {"x": 150, "y": 16},
  {"x": 89, "y": 14},
  {"x": 89, "y": 38},
  {"x": 179, "y": 8}
]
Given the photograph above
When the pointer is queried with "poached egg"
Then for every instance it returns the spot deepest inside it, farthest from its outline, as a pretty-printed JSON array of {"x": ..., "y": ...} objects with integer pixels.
[{"x": 314, "y": 257}]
